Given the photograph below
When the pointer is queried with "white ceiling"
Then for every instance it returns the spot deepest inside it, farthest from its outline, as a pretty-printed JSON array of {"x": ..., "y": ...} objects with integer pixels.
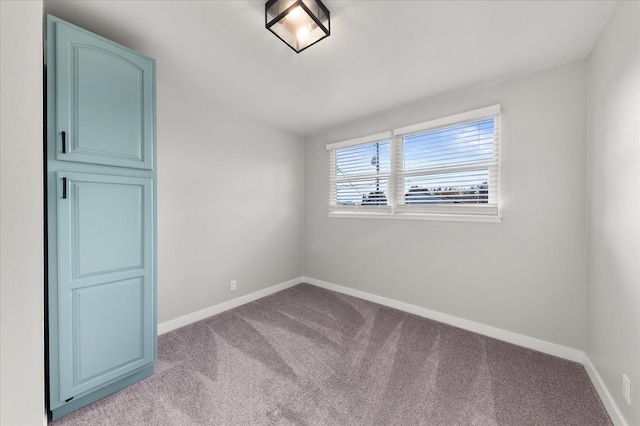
[{"x": 380, "y": 55}]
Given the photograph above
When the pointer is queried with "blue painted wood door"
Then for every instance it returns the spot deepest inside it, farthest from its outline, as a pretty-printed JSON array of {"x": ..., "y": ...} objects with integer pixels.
[
  {"x": 104, "y": 100},
  {"x": 105, "y": 278}
]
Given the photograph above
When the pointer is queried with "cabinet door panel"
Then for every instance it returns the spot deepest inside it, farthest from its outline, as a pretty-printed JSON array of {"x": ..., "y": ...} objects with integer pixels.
[
  {"x": 107, "y": 228},
  {"x": 104, "y": 101},
  {"x": 105, "y": 279},
  {"x": 105, "y": 343}
]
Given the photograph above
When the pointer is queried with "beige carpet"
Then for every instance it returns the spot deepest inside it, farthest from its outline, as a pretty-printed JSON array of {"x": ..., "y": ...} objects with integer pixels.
[{"x": 308, "y": 356}]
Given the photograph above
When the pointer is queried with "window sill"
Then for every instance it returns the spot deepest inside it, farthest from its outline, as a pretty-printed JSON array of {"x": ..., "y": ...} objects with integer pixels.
[{"x": 416, "y": 216}]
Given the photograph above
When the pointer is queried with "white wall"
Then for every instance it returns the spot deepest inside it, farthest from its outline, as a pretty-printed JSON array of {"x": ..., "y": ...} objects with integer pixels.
[
  {"x": 613, "y": 208},
  {"x": 21, "y": 215},
  {"x": 230, "y": 203},
  {"x": 524, "y": 275}
]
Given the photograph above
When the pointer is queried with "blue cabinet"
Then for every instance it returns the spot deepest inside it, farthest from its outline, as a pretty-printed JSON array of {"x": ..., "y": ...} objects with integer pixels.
[
  {"x": 104, "y": 100},
  {"x": 101, "y": 217}
]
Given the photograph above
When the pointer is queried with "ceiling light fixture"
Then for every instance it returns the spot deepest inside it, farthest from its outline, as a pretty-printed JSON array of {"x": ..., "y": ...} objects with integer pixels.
[{"x": 299, "y": 23}]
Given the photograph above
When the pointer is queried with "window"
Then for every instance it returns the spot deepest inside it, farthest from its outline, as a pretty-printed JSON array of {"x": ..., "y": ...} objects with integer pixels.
[{"x": 446, "y": 169}]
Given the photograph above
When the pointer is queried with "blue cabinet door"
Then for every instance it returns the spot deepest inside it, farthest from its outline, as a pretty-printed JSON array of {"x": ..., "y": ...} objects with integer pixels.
[
  {"x": 105, "y": 278},
  {"x": 104, "y": 99}
]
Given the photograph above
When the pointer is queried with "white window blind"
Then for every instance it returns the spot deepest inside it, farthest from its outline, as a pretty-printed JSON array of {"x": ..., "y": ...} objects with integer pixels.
[
  {"x": 360, "y": 176},
  {"x": 449, "y": 167},
  {"x": 442, "y": 168}
]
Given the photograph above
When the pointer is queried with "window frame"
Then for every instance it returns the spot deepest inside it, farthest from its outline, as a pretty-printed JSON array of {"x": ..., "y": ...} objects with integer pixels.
[{"x": 396, "y": 208}]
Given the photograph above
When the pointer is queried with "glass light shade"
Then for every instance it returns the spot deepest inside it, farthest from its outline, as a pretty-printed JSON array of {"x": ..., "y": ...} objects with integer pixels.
[{"x": 299, "y": 23}]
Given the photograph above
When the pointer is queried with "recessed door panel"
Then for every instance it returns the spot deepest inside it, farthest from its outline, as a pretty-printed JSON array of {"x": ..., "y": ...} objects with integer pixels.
[
  {"x": 105, "y": 343},
  {"x": 105, "y": 278},
  {"x": 106, "y": 82},
  {"x": 104, "y": 101},
  {"x": 108, "y": 221}
]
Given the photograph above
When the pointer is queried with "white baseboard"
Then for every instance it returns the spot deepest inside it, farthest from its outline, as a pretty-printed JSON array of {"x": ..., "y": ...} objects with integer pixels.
[
  {"x": 616, "y": 416},
  {"x": 171, "y": 325},
  {"x": 486, "y": 330}
]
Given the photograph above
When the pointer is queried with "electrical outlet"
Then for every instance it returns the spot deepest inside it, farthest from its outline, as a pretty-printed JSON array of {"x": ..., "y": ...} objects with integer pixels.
[
  {"x": 234, "y": 285},
  {"x": 626, "y": 389}
]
